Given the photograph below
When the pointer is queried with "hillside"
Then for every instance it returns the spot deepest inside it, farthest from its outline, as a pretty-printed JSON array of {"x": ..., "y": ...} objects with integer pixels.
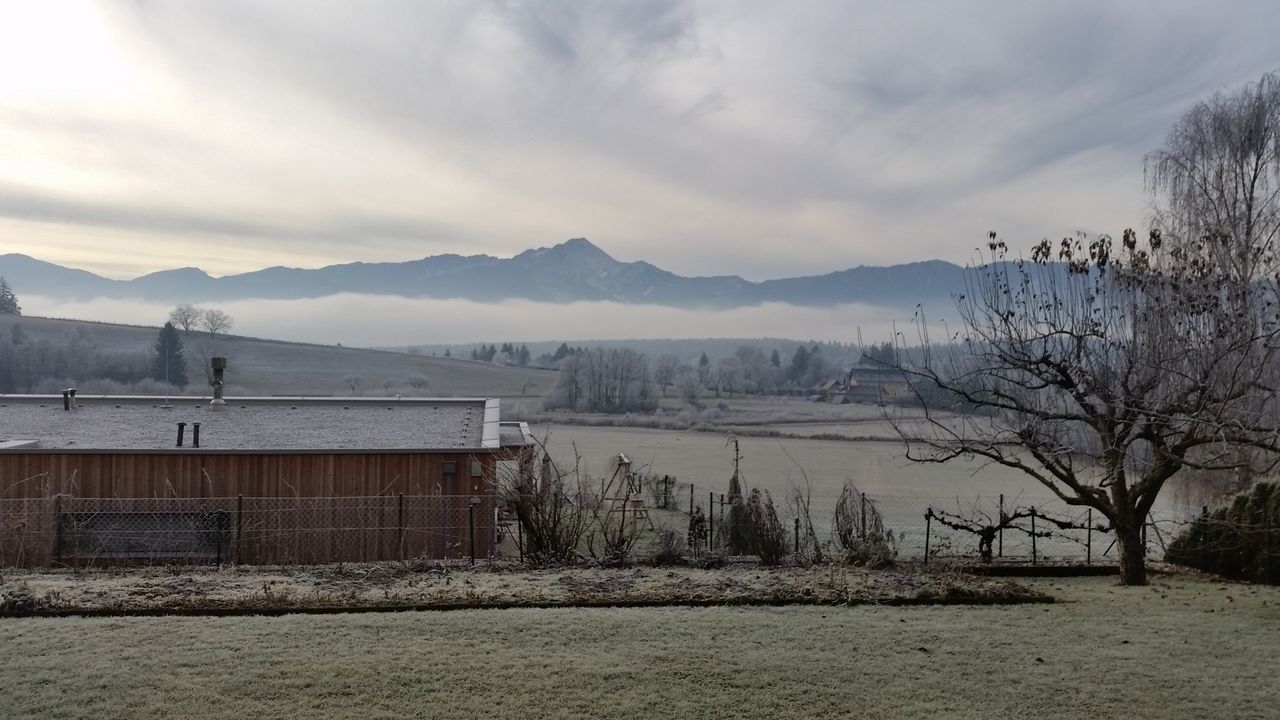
[{"x": 272, "y": 367}]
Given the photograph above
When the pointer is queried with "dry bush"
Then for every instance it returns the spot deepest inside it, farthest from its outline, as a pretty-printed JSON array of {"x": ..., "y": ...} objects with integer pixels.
[
  {"x": 554, "y": 508},
  {"x": 669, "y": 547},
  {"x": 765, "y": 535},
  {"x": 860, "y": 535}
]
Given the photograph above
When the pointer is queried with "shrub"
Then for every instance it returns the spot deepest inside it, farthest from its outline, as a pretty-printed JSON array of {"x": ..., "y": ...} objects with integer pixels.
[
  {"x": 1239, "y": 540},
  {"x": 859, "y": 530},
  {"x": 669, "y": 547},
  {"x": 765, "y": 534}
]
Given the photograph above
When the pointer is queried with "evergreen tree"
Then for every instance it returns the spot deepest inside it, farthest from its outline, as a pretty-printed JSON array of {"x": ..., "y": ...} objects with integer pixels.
[
  {"x": 775, "y": 359},
  {"x": 523, "y": 355},
  {"x": 561, "y": 352},
  {"x": 799, "y": 364},
  {"x": 8, "y": 301},
  {"x": 446, "y": 353},
  {"x": 169, "y": 365}
]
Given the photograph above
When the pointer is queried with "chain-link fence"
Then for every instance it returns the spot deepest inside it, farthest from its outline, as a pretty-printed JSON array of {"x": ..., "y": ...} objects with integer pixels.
[{"x": 252, "y": 530}]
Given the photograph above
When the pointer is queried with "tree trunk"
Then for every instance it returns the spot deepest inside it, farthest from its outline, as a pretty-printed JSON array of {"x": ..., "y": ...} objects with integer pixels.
[{"x": 1133, "y": 554}]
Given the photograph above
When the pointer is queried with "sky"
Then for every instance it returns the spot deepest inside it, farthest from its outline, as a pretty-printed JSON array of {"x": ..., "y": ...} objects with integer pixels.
[{"x": 762, "y": 139}]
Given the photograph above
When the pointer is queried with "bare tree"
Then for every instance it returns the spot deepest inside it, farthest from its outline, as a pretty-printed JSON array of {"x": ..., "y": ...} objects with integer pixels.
[
  {"x": 353, "y": 382},
  {"x": 186, "y": 317},
  {"x": 215, "y": 322},
  {"x": 1218, "y": 174},
  {"x": 553, "y": 506},
  {"x": 1107, "y": 373}
]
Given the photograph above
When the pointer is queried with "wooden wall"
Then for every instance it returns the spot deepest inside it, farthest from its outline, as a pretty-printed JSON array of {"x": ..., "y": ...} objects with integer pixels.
[
  {"x": 297, "y": 508},
  {"x": 36, "y": 474}
]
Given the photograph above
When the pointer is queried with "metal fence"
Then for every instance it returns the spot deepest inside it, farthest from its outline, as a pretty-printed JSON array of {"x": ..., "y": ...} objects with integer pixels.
[
  {"x": 253, "y": 530},
  {"x": 1046, "y": 529}
]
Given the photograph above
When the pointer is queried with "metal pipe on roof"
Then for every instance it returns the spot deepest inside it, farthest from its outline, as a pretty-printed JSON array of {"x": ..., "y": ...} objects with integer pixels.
[
  {"x": 182, "y": 429},
  {"x": 195, "y": 435}
]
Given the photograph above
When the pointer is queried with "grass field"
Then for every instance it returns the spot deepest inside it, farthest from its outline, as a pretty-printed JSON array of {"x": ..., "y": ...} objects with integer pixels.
[
  {"x": 270, "y": 367},
  {"x": 1182, "y": 648}
]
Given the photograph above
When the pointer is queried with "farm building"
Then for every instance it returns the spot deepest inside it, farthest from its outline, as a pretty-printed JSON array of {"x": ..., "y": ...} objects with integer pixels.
[
  {"x": 863, "y": 384},
  {"x": 257, "y": 480}
]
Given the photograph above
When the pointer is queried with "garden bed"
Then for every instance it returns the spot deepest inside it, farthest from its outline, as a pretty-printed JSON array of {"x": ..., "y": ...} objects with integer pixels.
[{"x": 393, "y": 586}]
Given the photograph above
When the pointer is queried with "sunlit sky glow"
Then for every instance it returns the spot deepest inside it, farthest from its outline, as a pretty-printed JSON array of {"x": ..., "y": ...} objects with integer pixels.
[{"x": 758, "y": 138}]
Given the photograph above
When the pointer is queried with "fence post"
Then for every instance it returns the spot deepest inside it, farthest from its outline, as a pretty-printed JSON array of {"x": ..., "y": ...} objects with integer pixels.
[
  {"x": 1033, "y": 536},
  {"x": 57, "y": 528},
  {"x": 864, "y": 517},
  {"x": 690, "y": 499},
  {"x": 711, "y": 519},
  {"x": 1088, "y": 539},
  {"x": 400, "y": 527},
  {"x": 471, "y": 527},
  {"x": 928, "y": 525},
  {"x": 239, "y": 524},
  {"x": 797, "y": 522},
  {"x": 1000, "y": 530},
  {"x": 520, "y": 539}
]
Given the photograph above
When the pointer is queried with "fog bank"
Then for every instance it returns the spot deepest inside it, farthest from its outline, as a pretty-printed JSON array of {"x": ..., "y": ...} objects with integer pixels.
[{"x": 379, "y": 320}]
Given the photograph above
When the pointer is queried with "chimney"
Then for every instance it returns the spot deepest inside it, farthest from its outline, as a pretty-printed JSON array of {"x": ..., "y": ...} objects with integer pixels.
[
  {"x": 195, "y": 435},
  {"x": 219, "y": 364},
  {"x": 182, "y": 430}
]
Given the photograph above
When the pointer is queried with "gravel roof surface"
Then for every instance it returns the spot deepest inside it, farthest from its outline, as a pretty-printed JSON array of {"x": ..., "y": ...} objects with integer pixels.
[{"x": 288, "y": 425}]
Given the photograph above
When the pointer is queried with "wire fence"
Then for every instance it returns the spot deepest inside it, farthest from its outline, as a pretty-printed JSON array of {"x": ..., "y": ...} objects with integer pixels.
[
  {"x": 78, "y": 531},
  {"x": 1033, "y": 528}
]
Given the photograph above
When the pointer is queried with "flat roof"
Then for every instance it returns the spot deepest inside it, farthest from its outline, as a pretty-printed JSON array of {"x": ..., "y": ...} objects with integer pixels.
[{"x": 112, "y": 423}]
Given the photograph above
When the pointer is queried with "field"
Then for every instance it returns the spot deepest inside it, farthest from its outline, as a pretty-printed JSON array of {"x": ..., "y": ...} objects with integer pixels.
[
  {"x": 271, "y": 367},
  {"x": 1182, "y": 648},
  {"x": 902, "y": 490}
]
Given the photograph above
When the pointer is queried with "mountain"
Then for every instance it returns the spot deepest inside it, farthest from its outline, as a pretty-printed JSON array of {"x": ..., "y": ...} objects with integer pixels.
[{"x": 575, "y": 270}]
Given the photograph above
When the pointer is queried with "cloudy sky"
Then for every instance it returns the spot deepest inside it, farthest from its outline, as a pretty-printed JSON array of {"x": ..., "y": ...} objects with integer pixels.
[{"x": 757, "y": 138}]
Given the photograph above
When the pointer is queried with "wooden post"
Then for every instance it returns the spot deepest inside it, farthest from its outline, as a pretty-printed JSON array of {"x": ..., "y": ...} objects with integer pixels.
[
  {"x": 1000, "y": 530},
  {"x": 520, "y": 539},
  {"x": 400, "y": 527},
  {"x": 1033, "y": 536},
  {"x": 690, "y": 499},
  {"x": 864, "y": 517},
  {"x": 239, "y": 524},
  {"x": 1088, "y": 539},
  {"x": 711, "y": 519},
  {"x": 928, "y": 524},
  {"x": 471, "y": 527}
]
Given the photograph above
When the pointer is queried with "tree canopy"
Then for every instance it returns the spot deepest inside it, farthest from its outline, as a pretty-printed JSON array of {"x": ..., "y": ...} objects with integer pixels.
[{"x": 8, "y": 300}]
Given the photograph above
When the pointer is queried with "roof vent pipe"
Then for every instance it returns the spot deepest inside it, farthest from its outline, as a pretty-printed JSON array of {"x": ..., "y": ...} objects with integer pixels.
[
  {"x": 195, "y": 435},
  {"x": 74, "y": 406},
  {"x": 66, "y": 399},
  {"x": 182, "y": 429}
]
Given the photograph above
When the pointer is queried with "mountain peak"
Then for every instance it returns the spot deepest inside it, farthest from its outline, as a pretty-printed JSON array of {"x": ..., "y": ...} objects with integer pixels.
[{"x": 581, "y": 247}]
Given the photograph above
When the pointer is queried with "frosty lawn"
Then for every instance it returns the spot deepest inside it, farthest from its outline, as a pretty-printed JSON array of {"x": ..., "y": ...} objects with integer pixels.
[{"x": 1182, "y": 648}]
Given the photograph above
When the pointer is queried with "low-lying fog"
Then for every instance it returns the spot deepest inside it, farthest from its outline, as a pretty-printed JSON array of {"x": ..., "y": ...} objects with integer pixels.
[{"x": 380, "y": 320}]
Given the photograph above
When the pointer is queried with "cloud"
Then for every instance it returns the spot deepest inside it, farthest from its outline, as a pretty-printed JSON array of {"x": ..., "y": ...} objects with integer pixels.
[{"x": 757, "y": 139}]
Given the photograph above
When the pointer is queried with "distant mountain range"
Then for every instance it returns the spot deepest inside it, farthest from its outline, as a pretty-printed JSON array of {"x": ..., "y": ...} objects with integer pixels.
[{"x": 575, "y": 270}]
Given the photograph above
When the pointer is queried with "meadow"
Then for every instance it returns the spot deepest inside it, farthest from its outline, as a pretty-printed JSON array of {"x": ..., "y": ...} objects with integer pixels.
[
  {"x": 1181, "y": 648},
  {"x": 272, "y": 367}
]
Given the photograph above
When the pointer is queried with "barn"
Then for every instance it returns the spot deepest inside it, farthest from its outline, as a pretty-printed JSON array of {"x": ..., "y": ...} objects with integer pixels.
[{"x": 265, "y": 480}]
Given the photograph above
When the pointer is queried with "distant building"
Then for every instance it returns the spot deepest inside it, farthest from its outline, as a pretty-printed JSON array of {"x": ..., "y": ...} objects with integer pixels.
[
  {"x": 259, "y": 480},
  {"x": 864, "y": 384}
]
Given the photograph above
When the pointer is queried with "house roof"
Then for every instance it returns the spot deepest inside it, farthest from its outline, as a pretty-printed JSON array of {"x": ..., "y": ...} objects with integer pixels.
[{"x": 248, "y": 424}]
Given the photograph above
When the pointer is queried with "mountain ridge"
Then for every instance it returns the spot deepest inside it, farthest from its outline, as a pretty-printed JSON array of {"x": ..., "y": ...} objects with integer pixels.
[{"x": 575, "y": 270}]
